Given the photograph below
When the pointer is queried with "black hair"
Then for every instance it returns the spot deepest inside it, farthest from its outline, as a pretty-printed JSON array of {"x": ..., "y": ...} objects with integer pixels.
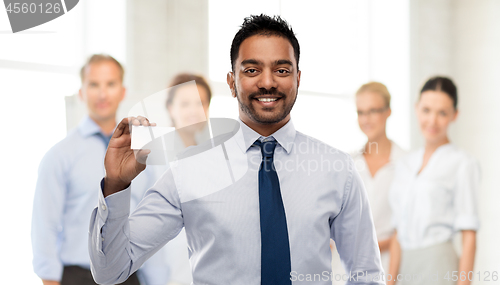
[
  {"x": 443, "y": 84},
  {"x": 264, "y": 25}
]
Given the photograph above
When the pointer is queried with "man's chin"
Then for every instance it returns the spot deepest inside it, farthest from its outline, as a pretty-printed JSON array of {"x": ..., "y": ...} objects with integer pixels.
[
  {"x": 268, "y": 120},
  {"x": 100, "y": 116}
]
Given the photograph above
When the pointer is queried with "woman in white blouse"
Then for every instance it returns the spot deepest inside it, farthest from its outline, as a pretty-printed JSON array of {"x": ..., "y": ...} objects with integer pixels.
[
  {"x": 433, "y": 197},
  {"x": 375, "y": 163}
]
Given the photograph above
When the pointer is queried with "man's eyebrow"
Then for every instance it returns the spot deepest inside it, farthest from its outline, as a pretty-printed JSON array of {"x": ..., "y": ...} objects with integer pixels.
[
  {"x": 251, "y": 61},
  {"x": 257, "y": 62},
  {"x": 283, "y": 61}
]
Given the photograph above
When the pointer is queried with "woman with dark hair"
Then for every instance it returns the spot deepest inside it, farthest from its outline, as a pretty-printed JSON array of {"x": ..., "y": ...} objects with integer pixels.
[
  {"x": 188, "y": 107},
  {"x": 188, "y": 112},
  {"x": 433, "y": 196}
]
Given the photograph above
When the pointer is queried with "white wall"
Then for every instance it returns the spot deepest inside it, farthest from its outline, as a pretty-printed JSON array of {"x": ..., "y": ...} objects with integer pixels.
[
  {"x": 163, "y": 38},
  {"x": 476, "y": 69}
]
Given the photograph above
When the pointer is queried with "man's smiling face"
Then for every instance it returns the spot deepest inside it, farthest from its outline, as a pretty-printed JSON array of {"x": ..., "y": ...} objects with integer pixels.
[{"x": 265, "y": 79}]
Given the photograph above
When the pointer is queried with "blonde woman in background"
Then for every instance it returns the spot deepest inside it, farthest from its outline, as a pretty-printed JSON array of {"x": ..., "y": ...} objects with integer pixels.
[
  {"x": 375, "y": 162},
  {"x": 433, "y": 197}
]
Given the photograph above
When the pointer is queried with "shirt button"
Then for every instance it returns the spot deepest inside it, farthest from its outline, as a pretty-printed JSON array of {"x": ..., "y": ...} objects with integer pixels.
[{"x": 103, "y": 207}]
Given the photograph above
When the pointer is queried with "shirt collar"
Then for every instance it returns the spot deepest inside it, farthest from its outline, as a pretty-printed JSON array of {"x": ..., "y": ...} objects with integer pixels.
[
  {"x": 87, "y": 127},
  {"x": 285, "y": 136}
]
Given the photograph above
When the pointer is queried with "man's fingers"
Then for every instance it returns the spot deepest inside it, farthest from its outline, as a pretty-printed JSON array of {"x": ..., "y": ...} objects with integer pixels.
[
  {"x": 125, "y": 126},
  {"x": 143, "y": 120},
  {"x": 122, "y": 128},
  {"x": 135, "y": 121},
  {"x": 140, "y": 121}
]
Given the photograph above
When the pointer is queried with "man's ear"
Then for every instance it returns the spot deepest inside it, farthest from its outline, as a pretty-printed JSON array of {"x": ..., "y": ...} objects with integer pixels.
[
  {"x": 230, "y": 83},
  {"x": 124, "y": 92},
  {"x": 298, "y": 78}
]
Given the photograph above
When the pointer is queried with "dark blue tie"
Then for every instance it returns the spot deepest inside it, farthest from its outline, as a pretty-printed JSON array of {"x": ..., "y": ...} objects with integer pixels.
[{"x": 275, "y": 250}]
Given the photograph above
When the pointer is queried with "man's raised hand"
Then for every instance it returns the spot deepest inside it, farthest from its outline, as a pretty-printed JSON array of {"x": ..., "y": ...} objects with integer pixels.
[{"x": 123, "y": 164}]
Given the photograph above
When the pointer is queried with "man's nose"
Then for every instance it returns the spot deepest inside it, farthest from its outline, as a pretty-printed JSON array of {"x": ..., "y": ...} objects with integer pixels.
[
  {"x": 267, "y": 80},
  {"x": 103, "y": 92}
]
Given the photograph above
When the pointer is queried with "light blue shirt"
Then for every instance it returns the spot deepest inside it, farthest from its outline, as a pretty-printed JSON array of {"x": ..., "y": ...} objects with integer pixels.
[
  {"x": 66, "y": 191},
  {"x": 214, "y": 196}
]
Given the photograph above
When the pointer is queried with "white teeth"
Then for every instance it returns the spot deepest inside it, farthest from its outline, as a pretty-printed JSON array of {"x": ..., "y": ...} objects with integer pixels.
[{"x": 267, "y": 99}]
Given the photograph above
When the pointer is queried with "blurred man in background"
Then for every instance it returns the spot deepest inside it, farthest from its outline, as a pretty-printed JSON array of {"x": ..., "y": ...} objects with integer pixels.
[{"x": 68, "y": 182}]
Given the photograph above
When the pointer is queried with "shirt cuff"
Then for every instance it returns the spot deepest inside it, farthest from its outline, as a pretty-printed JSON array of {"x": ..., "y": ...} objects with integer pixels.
[
  {"x": 48, "y": 269},
  {"x": 114, "y": 206},
  {"x": 464, "y": 222}
]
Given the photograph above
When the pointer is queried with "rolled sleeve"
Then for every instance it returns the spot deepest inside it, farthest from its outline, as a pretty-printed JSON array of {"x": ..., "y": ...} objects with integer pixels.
[
  {"x": 354, "y": 234},
  {"x": 465, "y": 204}
]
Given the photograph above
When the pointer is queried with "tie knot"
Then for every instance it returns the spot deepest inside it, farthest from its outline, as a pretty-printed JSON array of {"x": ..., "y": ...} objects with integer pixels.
[{"x": 266, "y": 147}]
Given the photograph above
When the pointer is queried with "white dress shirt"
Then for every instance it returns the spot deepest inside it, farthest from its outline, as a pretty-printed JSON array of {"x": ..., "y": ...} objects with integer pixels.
[
  {"x": 214, "y": 196},
  {"x": 431, "y": 206}
]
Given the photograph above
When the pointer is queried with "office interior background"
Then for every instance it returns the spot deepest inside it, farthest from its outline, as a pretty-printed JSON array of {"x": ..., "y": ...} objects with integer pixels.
[{"x": 344, "y": 44}]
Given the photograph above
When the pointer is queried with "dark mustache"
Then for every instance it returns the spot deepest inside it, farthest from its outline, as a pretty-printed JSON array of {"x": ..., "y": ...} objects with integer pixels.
[{"x": 272, "y": 91}]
